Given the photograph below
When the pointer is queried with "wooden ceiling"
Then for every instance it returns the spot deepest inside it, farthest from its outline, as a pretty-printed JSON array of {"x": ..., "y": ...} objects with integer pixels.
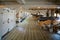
[
  {"x": 34, "y": 2},
  {"x": 44, "y": 8}
]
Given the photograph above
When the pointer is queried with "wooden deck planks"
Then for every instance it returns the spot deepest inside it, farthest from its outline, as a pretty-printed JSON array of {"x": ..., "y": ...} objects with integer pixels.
[{"x": 31, "y": 31}]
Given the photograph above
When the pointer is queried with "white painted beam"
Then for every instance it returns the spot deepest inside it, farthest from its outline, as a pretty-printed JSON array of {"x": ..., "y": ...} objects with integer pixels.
[{"x": 21, "y": 1}]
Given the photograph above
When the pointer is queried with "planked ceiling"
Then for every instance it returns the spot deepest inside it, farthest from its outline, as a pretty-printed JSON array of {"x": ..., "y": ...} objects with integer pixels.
[
  {"x": 34, "y": 2},
  {"x": 56, "y": 2},
  {"x": 31, "y": 3}
]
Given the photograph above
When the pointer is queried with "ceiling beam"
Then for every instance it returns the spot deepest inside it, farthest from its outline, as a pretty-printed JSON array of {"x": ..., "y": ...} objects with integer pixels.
[{"x": 21, "y": 1}]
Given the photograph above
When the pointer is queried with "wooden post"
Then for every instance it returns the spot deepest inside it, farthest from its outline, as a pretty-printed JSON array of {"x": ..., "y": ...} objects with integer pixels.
[
  {"x": 47, "y": 14},
  {"x": 52, "y": 15}
]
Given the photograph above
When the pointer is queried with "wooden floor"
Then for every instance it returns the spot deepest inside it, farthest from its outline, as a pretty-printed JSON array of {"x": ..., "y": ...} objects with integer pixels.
[{"x": 28, "y": 30}]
